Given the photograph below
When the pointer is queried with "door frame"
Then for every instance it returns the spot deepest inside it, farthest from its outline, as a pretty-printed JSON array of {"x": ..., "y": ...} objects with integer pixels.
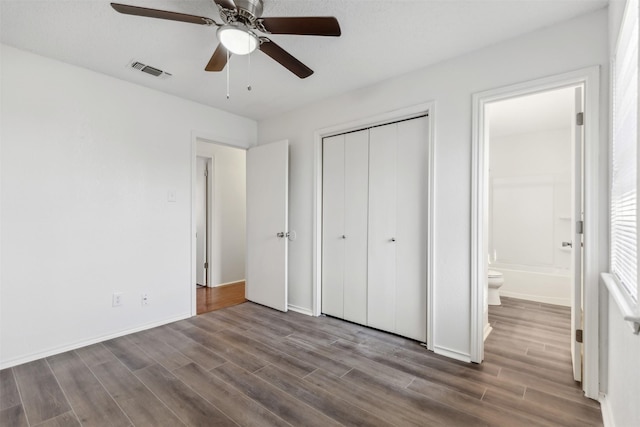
[
  {"x": 386, "y": 117},
  {"x": 590, "y": 79},
  {"x": 209, "y": 204},
  {"x": 212, "y": 139}
]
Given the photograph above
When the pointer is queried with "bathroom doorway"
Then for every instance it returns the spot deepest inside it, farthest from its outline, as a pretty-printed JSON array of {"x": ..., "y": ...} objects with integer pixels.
[
  {"x": 587, "y": 155},
  {"x": 530, "y": 186},
  {"x": 534, "y": 218}
]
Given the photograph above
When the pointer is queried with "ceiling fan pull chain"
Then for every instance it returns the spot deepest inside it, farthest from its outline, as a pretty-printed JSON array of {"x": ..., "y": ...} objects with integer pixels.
[
  {"x": 249, "y": 68},
  {"x": 228, "y": 67}
]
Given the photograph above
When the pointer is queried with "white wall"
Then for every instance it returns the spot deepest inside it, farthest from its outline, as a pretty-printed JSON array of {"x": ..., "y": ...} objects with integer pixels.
[
  {"x": 229, "y": 212},
  {"x": 87, "y": 164},
  {"x": 578, "y": 43},
  {"x": 620, "y": 356},
  {"x": 623, "y": 384}
]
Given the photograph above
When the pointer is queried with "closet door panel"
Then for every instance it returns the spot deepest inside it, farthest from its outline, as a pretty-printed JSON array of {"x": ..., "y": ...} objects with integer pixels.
[
  {"x": 333, "y": 225},
  {"x": 411, "y": 233},
  {"x": 356, "y": 149},
  {"x": 381, "y": 303}
]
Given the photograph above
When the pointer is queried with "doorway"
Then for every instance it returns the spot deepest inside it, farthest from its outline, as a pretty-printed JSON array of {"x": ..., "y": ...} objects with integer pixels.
[
  {"x": 534, "y": 200},
  {"x": 220, "y": 225},
  {"x": 248, "y": 230},
  {"x": 530, "y": 195},
  {"x": 584, "y": 294}
]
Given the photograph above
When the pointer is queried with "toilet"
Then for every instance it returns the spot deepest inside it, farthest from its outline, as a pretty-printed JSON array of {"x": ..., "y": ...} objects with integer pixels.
[{"x": 495, "y": 281}]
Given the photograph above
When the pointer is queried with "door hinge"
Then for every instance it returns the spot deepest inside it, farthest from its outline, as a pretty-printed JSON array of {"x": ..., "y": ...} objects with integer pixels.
[
  {"x": 206, "y": 265},
  {"x": 580, "y": 227},
  {"x": 580, "y": 119},
  {"x": 206, "y": 172},
  {"x": 579, "y": 335}
]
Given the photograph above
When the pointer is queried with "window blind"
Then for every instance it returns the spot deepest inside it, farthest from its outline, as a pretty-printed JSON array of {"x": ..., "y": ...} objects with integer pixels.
[{"x": 624, "y": 216}]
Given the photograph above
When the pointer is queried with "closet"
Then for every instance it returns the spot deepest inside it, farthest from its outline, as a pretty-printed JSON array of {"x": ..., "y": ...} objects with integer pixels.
[{"x": 374, "y": 227}]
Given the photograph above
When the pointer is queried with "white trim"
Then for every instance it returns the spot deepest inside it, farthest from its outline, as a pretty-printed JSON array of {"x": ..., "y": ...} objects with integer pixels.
[
  {"x": 211, "y": 160},
  {"x": 387, "y": 117},
  {"x": 301, "y": 310},
  {"x": 431, "y": 212},
  {"x": 607, "y": 413},
  {"x": 453, "y": 354},
  {"x": 316, "y": 260},
  {"x": 193, "y": 255},
  {"x": 211, "y": 205},
  {"x": 487, "y": 331},
  {"x": 233, "y": 282},
  {"x": 80, "y": 344},
  {"x": 218, "y": 140},
  {"x": 590, "y": 78}
]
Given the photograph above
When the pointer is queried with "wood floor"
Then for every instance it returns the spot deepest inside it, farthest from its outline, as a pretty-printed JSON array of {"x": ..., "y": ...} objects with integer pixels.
[
  {"x": 209, "y": 299},
  {"x": 249, "y": 365}
]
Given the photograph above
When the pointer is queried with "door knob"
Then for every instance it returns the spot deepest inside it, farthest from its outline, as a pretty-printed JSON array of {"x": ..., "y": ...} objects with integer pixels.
[
  {"x": 565, "y": 244},
  {"x": 280, "y": 234},
  {"x": 393, "y": 239},
  {"x": 344, "y": 237}
]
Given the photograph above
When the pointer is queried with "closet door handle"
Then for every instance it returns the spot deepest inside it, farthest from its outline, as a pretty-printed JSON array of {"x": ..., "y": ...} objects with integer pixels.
[
  {"x": 344, "y": 237},
  {"x": 393, "y": 239}
]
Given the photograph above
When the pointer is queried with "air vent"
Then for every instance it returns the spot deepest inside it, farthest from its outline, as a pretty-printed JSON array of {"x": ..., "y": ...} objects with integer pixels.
[{"x": 136, "y": 65}]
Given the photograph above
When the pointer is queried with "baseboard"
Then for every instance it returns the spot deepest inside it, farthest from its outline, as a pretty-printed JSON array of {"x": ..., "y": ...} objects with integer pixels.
[
  {"x": 546, "y": 300},
  {"x": 235, "y": 282},
  {"x": 74, "y": 346},
  {"x": 301, "y": 310},
  {"x": 454, "y": 354},
  {"x": 487, "y": 331},
  {"x": 607, "y": 414}
]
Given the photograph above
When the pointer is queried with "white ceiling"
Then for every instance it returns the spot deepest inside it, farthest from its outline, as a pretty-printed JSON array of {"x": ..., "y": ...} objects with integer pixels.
[
  {"x": 539, "y": 112},
  {"x": 380, "y": 39}
]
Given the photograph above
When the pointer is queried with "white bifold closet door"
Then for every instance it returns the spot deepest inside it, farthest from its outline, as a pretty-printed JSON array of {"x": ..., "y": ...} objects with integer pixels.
[
  {"x": 411, "y": 229},
  {"x": 382, "y": 227},
  {"x": 397, "y": 271},
  {"x": 374, "y": 227},
  {"x": 344, "y": 231}
]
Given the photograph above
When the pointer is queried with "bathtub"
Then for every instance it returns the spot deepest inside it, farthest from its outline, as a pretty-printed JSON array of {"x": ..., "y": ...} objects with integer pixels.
[{"x": 551, "y": 287}]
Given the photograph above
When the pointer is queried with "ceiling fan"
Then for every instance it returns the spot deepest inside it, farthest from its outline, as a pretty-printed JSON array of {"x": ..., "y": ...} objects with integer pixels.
[{"x": 242, "y": 20}]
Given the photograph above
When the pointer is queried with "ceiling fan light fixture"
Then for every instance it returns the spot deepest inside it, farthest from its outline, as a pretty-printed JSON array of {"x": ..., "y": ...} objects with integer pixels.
[{"x": 237, "y": 38}]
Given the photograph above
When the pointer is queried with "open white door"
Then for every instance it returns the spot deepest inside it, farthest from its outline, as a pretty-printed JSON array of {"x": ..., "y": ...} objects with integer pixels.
[
  {"x": 576, "y": 233},
  {"x": 267, "y": 224}
]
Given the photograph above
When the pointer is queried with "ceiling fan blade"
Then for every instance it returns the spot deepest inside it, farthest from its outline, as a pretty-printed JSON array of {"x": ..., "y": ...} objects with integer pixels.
[
  {"x": 218, "y": 59},
  {"x": 305, "y": 26},
  {"x": 161, "y": 14},
  {"x": 227, "y": 4},
  {"x": 285, "y": 59}
]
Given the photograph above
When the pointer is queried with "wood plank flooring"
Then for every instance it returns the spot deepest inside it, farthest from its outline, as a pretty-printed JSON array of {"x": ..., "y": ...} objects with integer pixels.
[
  {"x": 252, "y": 366},
  {"x": 209, "y": 299}
]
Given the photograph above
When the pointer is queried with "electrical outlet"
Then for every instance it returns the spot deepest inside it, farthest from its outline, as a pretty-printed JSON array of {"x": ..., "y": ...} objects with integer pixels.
[
  {"x": 116, "y": 299},
  {"x": 145, "y": 299}
]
